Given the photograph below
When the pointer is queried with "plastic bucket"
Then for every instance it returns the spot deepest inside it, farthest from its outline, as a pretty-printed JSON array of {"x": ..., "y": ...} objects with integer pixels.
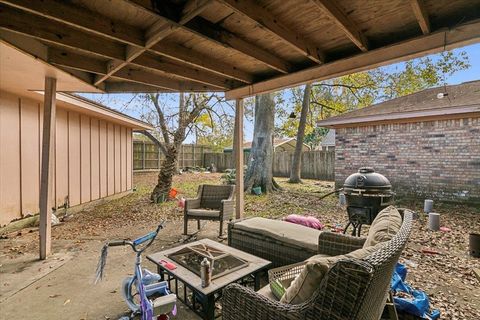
[
  {"x": 474, "y": 245},
  {"x": 257, "y": 190},
  {"x": 173, "y": 193}
]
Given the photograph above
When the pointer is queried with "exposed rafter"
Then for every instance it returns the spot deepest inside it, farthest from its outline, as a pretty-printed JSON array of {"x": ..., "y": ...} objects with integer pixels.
[
  {"x": 81, "y": 18},
  {"x": 208, "y": 31},
  {"x": 205, "y": 28},
  {"x": 434, "y": 42},
  {"x": 189, "y": 56},
  {"x": 154, "y": 34},
  {"x": 76, "y": 18},
  {"x": 148, "y": 62},
  {"x": 266, "y": 20},
  {"x": 130, "y": 87},
  {"x": 346, "y": 24},
  {"x": 53, "y": 32},
  {"x": 421, "y": 14},
  {"x": 138, "y": 75},
  {"x": 36, "y": 49},
  {"x": 72, "y": 62}
]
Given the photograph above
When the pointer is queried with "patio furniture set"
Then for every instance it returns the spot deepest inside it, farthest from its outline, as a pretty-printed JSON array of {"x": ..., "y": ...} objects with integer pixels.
[{"x": 325, "y": 275}]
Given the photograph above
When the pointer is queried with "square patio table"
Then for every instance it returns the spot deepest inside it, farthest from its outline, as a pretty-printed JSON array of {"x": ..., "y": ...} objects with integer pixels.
[{"x": 207, "y": 296}]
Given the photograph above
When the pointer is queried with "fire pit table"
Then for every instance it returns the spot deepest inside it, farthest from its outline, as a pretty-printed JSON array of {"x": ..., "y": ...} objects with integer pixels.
[{"x": 229, "y": 265}]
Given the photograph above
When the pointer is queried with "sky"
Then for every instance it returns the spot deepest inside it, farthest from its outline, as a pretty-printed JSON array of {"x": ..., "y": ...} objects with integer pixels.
[{"x": 118, "y": 101}]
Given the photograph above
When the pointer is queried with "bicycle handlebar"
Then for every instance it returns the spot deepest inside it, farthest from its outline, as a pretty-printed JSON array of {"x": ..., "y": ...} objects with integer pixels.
[
  {"x": 115, "y": 243},
  {"x": 148, "y": 237},
  {"x": 144, "y": 238}
]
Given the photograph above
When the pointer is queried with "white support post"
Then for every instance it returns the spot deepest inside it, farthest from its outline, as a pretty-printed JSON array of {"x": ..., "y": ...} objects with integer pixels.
[
  {"x": 46, "y": 180},
  {"x": 238, "y": 139}
]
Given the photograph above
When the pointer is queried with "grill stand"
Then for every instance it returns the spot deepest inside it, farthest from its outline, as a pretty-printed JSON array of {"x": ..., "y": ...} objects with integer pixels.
[{"x": 357, "y": 227}]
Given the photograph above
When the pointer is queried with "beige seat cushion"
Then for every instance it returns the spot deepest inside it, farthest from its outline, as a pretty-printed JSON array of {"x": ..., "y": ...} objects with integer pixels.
[
  {"x": 303, "y": 287},
  {"x": 384, "y": 227},
  {"x": 203, "y": 213},
  {"x": 287, "y": 232},
  {"x": 266, "y": 292}
]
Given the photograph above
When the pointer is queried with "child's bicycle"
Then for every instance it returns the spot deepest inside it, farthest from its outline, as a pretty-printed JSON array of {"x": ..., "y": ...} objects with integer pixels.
[{"x": 147, "y": 298}]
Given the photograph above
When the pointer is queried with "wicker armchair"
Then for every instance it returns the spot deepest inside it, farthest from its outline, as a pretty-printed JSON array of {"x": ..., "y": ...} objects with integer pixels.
[
  {"x": 351, "y": 289},
  {"x": 213, "y": 202}
]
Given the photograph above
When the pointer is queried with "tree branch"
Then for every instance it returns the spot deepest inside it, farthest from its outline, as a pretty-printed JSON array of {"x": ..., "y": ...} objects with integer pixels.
[{"x": 161, "y": 117}]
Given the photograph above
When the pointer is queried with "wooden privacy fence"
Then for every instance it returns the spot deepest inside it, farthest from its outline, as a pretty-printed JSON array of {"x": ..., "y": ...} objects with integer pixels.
[
  {"x": 315, "y": 164},
  {"x": 147, "y": 156}
]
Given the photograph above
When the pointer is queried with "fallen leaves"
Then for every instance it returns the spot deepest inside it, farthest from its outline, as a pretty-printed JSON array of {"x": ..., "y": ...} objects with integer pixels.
[{"x": 448, "y": 278}]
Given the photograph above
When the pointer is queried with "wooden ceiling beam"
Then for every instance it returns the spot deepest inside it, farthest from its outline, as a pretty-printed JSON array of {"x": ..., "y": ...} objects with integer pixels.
[
  {"x": 196, "y": 59},
  {"x": 157, "y": 63},
  {"x": 211, "y": 32},
  {"x": 225, "y": 38},
  {"x": 44, "y": 29},
  {"x": 138, "y": 75},
  {"x": 40, "y": 51},
  {"x": 346, "y": 24},
  {"x": 435, "y": 42},
  {"x": 148, "y": 62},
  {"x": 421, "y": 15},
  {"x": 131, "y": 87},
  {"x": 63, "y": 58},
  {"x": 81, "y": 18},
  {"x": 154, "y": 34},
  {"x": 254, "y": 11},
  {"x": 85, "y": 20}
]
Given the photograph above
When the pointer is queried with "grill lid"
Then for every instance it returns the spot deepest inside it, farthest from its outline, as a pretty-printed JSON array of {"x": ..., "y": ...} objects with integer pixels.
[{"x": 367, "y": 179}]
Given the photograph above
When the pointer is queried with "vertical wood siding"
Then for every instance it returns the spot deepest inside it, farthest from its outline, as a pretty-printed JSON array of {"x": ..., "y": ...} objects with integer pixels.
[{"x": 93, "y": 157}]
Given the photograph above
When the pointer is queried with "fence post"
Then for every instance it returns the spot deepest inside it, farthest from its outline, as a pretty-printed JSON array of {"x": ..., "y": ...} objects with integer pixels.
[
  {"x": 143, "y": 155},
  {"x": 183, "y": 156},
  {"x": 158, "y": 156},
  {"x": 193, "y": 155}
]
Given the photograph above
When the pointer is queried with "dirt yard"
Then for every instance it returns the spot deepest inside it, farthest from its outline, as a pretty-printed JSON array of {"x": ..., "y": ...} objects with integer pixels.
[{"x": 61, "y": 287}]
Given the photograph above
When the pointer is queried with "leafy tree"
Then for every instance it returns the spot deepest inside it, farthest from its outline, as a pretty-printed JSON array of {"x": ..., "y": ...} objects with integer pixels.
[{"x": 350, "y": 92}]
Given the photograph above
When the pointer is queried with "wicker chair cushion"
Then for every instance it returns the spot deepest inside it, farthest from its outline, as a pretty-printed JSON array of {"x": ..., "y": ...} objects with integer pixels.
[
  {"x": 305, "y": 284},
  {"x": 203, "y": 213},
  {"x": 384, "y": 227},
  {"x": 286, "y": 232},
  {"x": 266, "y": 292}
]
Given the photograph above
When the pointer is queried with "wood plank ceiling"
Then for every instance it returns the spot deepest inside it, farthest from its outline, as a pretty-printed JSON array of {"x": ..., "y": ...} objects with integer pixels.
[{"x": 221, "y": 45}]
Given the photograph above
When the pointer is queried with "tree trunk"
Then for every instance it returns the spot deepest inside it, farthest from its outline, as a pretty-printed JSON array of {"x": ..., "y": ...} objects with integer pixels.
[
  {"x": 295, "y": 172},
  {"x": 260, "y": 163},
  {"x": 165, "y": 176}
]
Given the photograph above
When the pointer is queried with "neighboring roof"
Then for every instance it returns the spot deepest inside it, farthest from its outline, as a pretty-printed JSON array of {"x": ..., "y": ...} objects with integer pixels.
[
  {"x": 329, "y": 139},
  {"x": 241, "y": 47},
  {"x": 461, "y": 98},
  {"x": 84, "y": 105}
]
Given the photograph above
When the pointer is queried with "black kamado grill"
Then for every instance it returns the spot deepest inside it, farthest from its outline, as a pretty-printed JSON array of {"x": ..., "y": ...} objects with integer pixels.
[{"x": 366, "y": 193}]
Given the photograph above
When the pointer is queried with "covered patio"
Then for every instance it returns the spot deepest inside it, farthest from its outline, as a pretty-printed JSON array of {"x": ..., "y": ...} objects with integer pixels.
[
  {"x": 239, "y": 47},
  {"x": 242, "y": 48}
]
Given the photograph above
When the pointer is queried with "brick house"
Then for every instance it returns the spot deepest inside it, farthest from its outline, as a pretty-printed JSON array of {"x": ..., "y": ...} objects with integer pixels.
[{"x": 427, "y": 143}]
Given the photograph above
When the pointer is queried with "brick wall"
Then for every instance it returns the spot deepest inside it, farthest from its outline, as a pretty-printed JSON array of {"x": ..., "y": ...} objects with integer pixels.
[{"x": 431, "y": 159}]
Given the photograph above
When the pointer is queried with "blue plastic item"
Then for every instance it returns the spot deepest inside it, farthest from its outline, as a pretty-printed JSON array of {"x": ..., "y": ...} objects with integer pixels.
[{"x": 417, "y": 302}]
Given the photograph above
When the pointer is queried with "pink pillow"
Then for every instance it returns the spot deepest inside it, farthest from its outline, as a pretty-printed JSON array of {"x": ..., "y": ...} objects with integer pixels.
[{"x": 307, "y": 221}]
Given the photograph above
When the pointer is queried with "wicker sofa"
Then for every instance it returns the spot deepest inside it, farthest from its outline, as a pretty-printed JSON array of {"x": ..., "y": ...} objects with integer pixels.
[
  {"x": 351, "y": 289},
  {"x": 274, "y": 240}
]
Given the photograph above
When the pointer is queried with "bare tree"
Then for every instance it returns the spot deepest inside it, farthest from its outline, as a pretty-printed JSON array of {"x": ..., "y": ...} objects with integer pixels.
[
  {"x": 295, "y": 172},
  {"x": 173, "y": 126}
]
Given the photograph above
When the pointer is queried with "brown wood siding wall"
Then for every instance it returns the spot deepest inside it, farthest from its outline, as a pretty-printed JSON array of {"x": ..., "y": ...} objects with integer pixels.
[{"x": 93, "y": 158}]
